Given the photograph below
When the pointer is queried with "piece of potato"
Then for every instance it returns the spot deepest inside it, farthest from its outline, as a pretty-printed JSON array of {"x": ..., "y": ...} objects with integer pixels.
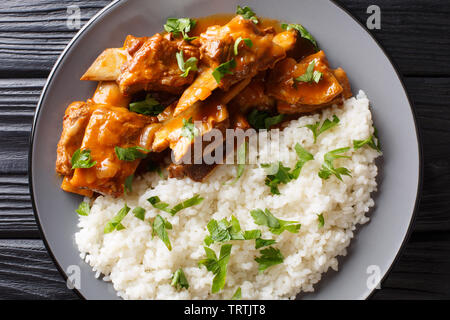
[{"x": 107, "y": 65}]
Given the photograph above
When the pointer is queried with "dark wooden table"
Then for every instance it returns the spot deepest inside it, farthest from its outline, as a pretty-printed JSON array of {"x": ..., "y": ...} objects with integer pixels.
[{"x": 416, "y": 34}]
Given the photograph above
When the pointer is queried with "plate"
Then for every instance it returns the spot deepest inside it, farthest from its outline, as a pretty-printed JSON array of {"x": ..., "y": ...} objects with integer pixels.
[{"x": 347, "y": 44}]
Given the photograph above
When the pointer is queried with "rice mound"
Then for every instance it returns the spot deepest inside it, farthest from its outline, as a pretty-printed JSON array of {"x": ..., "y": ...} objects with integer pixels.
[{"x": 141, "y": 267}]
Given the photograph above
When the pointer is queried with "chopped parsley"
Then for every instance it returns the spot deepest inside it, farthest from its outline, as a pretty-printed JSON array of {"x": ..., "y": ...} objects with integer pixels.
[
  {"x": 149, "y": 106},
  {"x": 82, "y": 159},
  {"x": 263, "y": 120},
  {"x": 372, "y": 142},
  {"x": 260, "y": 243},
  {"x": 186, "y": 66},
  {"x": 248, "y": 42},
  {"x": 237, "y": 295},
  {"x": 328, "y": 168},
  {"x": 310, "y": 74},
  {"x": 189, "y": 130},
  {"x": 326, "y": 125},
  {"x": 180, "y": 26},
  {"x": 269, "y": 257},
  {"x": 320, "y": 220},
  {"x": 159, "y": 227},
  {"x": 276, "y": 226},
  {"x": 139, "y": 213},
  {"x": 223, "y": 231},
  {"x": 303, "y": 32},
  {"x": 218, "y": 266},
  {"x": 277, "y": 173},
  {"x": 154, "y": 167},
  {"x": 83, "y": 209},
  {"x": 156, "y": 203},
  {"x": 247, "y": 13},
  {"x": 179, "y": 280},
  {"x": 115, "y": 222},
  {"x": 224, "y": 69},
  {"x": 303, "y": 157},
  {"x": 131, "y": 153}
]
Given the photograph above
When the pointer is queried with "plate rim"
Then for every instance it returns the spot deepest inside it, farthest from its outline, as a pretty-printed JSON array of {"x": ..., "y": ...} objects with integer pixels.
[{"x": 114, "y": 3}]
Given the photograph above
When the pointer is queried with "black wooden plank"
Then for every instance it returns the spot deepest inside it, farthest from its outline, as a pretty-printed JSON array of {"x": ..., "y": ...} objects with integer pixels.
[
  {"x": 33, "y": 33},
  {"x": 27, "y": 272}
]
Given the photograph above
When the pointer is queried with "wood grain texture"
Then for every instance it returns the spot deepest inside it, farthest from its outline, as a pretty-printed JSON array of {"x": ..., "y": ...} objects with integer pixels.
[{"x": 415, "y": 33}]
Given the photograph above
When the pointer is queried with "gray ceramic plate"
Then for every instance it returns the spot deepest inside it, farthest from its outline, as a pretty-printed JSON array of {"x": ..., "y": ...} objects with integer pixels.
[{"x": 347, "y": 45}]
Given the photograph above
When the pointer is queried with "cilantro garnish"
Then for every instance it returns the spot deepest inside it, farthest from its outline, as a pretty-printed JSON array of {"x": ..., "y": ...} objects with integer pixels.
[
  {"x": 179, "y": 280},
  {"x": 180, "y": 26},
  {"x": 303, "y": 32},
  {"x": 149, "y": 106},
  {"x": 115, "y": 222},
  {"x": 248, "y": 42},
  {"x": 223, "y": 231},
  {"x": 310, "y": 74},
  {"x": 163, "y": 206},
  {"x": 131, "y": 153},
  {"x": 82, "y": 159},
  {"x": 269, "y": 257},
  {"x": 186, "y": 66},
  {"x": 277, "y": 226},
  {"x": 83, "y": 209},
  {"x": 224, "y": 69},
  {"x": 218, "y": 266},
  {"x": 328, "y": 168},
  {"x": 262, "y": 119},
  {"x": 326, "y": 125},
  {"x": 247, "y": 13},
  {"x": 159, "y": 227}
]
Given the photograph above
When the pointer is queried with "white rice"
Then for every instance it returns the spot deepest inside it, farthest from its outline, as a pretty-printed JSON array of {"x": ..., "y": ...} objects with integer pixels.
[{"x": 141, "y": 267}]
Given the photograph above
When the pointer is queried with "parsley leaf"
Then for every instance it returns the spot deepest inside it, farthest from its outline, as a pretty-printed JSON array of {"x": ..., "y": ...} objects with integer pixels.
[
  {"x": 83, "y": 209},
  {"x": 259, "y": 243},
  {"x": 327, "y": 167},
  {"x": 277, "y": 226},
  {"x": 159, "y": 227},
  {"x": 372, "y": 142},
  {"x": 115, "y": 222},
  {"x": 304, "y": 156},
  {"x": 241, "y": 158},
  {"x": 180, "y": 26},
  {"x": 223, "y": 231},
  {"x": 186, "y": 66},
  {"x": 179, "y": 280},
  {"x": 269, "y": 257},
  {"x": 127, "y": 187},
  {"x": 237, "y": 295},
  {"x": 281, "y": 175},
  {"x": 310, "y": 74},
  {"x": 247, "y": 13},
  {"x": 224, "y": 69},
  {"x": 321, "y": 220},
  {"x": 82, "y": 159},
  {"x": 189, "y": 130},
  {"x": 303, "y": 32},
  {"x": 156, "y": 203},
  {"x": 248, "y": 42},
  {"x": 149, "y": 106},
  {"x": 131, "y": 153},
  {"x": 217, "y": 266},
  {"x": 154, "y": 167},
  {"x": 326, "y": 125},
  {"x": 139, "y": 213},
  {"x": 262, "y": 119}
]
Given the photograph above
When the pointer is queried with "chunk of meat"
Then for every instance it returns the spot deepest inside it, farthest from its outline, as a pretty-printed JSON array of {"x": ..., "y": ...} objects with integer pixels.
[
  {"x": 217, "y": 47},
  {"x": 296, "y": 46},
  {"x": 197, "y": 172},
  {"x": 301, "y": 97},
  {"x": 254, "y": 96},
  {"x": 75, "y": 121},
  {"x": 154, "y": 67},
  {"x": 109, "y": 127}
]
